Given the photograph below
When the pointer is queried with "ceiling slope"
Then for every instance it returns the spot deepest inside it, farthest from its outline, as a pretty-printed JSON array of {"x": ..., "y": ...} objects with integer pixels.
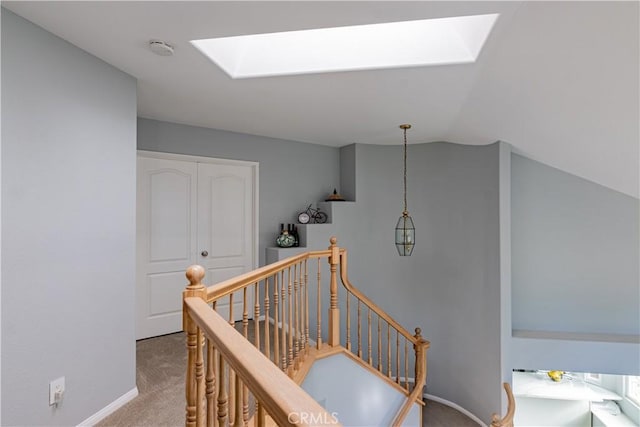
[{"x": 557, "y": 80}]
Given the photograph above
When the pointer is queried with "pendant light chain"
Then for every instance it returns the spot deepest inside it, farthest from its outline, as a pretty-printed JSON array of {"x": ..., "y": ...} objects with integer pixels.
[{"x": 405, "y": 212}]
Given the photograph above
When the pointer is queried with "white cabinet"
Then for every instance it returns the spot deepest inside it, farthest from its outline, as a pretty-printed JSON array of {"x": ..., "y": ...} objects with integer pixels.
[{"x": 190, "y": 211}]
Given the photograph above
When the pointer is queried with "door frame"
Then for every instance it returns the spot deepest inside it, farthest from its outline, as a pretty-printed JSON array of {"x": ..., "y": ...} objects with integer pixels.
[{"x": 255, "y": 171}]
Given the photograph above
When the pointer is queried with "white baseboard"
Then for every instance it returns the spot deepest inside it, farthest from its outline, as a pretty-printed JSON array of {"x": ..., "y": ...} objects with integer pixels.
[
  {"x": 456, "y": 407},
  {"x": 110, "y": 408}
]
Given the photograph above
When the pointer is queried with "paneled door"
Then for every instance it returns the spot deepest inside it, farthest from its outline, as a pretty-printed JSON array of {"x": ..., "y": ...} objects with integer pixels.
[
  {"x": 190, "y": 210},
  {"x": 226, "y": 236}
]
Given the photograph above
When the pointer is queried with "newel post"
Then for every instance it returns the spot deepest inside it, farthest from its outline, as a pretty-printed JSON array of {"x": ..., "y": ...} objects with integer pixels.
[
  {"x": 420, "y": 347},
  {"x": 194, "y": 384},
  {"x": 334, "y": 312}
]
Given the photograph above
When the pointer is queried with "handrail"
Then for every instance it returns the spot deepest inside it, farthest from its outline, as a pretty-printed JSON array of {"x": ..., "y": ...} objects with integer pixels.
[
  {"x": 280, "y": 396},
  {"x": 235, "y": 284},
  {"x": 421, "y": 377},
  {"x": 507, "y": 420},
  {"x": 362, "y": 297}
]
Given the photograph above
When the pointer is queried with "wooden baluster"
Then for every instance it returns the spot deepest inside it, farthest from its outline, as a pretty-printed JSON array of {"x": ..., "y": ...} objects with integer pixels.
[
  {"x": 194, "y": 381},
  {"x": 359, "y": 331},
  {"x": 212, "y": 367},
  {"x": 256, "y": 315},
  {"x": 319, "y": 312},
  {"x": 200, "y": 380},
  {"x": 245, "y": 315},
  {"x": 237, "y": 420},
  {"x": 301, "y": 317},
  {"x": 283, "y": 341},
  {"x": 369, "y": 358},
  {"x": 276, "y": 321},
  {"x": 290, "y": 321},
  {"x": 397, "y": 357},
  {"x": 243, "y": 393},
  {"x": 232, "y": 373},
  {"x": 267, "y": 313},
  {"x": 211, "y": 384},
  {"x": 348, "y": 324},
  {"x": 406, "y": 364},
  {"x": 306, "y": 304},
  {"x": 334, "y": 311},
  {"x": 296, "y": 326},
  {"x": 222, "y": 393},
  {"x": 388, "y": 350},
  {"x": 256, "y": 332},
  {"x": 245, "y": 406},
  {"x": 261, "y": 419},
  {"x": 379, "y": 346}
]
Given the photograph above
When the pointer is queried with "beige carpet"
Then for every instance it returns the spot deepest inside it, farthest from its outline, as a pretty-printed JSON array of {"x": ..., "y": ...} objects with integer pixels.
[{"x": 161, "y": 364}]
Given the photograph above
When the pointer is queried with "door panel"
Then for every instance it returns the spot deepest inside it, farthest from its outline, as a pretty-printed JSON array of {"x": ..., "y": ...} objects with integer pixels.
[
  {"x": 163, "y": 288},
  {"x": 225, "y": 225},
  {"x": 169, "y": 215},
  {"x": 166, "y": 242}
]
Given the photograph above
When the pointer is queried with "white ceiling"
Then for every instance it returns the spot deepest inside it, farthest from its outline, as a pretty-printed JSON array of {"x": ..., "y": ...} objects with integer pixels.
[{"x": 558, "y": 80}]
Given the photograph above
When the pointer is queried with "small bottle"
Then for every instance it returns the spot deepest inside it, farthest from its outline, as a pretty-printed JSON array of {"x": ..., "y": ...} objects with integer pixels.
[{"x": 296, "y": 243}]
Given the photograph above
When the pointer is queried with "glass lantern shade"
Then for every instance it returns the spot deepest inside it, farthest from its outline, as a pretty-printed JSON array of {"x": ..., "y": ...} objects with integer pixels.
[{"x": 405, "y": 235}]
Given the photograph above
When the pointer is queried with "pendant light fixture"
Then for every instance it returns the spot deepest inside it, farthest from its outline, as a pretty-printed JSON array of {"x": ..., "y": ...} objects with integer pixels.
[{"x": 405, "y": 230}]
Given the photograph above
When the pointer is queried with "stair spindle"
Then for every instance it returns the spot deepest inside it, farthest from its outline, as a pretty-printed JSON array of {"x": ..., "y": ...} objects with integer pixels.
[
  {"x": 276, "y": 322},
  {"x": 222, "y": 394},
  {"x": 237, "y": 420},
  {"x": 245, "y": 314},
  {"x": 348, "y": 323},
  {"x": 296, "y": 318},
  {"x": 256, "y": 315},
  {"x": 359, "y": 331},
  {"x": 283, "y": 341},
  {"x": 290, "y": 320},
  {"x": 388, "y": 350},
  {"x": 379, "y": 346},
  {"x": 319, "y": 311},
  {"x": 306, "y": 304},
  {"x": 210, "y": 383},
  {"x": 406, "y": 364},
  {"x": 369, "y": 358},
  {"x": 267, "y": 338},
  {"x": 397, "y": 357}
]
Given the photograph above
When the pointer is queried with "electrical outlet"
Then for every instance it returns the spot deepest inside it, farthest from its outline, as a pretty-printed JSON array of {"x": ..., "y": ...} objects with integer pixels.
[{"x": 56, "y": 391}]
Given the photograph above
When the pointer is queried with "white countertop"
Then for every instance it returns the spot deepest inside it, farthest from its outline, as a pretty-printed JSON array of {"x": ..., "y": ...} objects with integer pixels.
[{"x": 530, "y": 384}]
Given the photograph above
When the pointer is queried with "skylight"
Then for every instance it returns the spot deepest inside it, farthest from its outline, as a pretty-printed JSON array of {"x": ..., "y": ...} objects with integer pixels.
[{"x": 455, "y": 40}]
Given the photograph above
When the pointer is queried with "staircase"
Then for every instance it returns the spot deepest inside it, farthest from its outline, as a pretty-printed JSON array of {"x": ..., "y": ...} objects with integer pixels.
[{"x": 315, "y": 348}]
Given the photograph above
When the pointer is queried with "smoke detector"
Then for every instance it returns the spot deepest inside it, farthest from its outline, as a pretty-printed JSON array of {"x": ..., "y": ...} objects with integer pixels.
[{"x": 160, "y": 48}]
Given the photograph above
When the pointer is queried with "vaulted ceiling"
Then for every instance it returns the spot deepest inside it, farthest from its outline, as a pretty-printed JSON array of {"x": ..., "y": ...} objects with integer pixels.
[{"x": 557, "y": 80}]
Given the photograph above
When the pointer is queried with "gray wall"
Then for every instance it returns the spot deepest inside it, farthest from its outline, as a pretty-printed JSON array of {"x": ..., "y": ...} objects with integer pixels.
[
  {"x": 575, "y": 253},
  {"x": 292, "y": 174},
  {"x": 575, "y": 267},
  {"x": 450, "y": 286},
  {"x": 68, "y": 216}
]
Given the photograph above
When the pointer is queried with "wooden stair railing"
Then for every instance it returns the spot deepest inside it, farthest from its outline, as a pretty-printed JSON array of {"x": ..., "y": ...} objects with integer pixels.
[
  {"x": 228, "y": 352},
  {"x": 507, "y": 420},
  {"x": 288, "y": 302},
  {"x": 403, "y": 339}
]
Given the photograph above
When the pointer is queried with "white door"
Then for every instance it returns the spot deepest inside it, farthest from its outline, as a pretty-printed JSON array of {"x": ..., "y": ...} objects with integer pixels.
[
  {"x": 225, "y": 228},
  {"x": 179, "y": 219}
]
